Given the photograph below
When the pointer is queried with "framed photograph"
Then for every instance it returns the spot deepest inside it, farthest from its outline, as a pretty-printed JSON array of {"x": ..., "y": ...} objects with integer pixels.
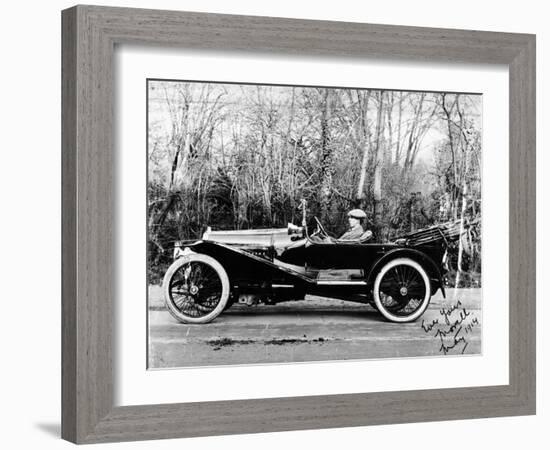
[{"x": 284, "y": 217}]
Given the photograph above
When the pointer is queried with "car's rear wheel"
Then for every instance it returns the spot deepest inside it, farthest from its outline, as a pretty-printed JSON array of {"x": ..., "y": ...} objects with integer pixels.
[
  {"x": 402, "y": 290},
  {"x": 196, "y": 288}
]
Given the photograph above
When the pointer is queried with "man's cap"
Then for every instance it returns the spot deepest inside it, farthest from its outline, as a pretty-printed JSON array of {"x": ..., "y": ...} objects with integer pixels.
[{"x": 357, "y": 214}]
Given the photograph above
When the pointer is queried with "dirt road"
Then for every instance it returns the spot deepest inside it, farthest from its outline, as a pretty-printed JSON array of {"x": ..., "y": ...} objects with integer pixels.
[{"x": 315, "y": 329}]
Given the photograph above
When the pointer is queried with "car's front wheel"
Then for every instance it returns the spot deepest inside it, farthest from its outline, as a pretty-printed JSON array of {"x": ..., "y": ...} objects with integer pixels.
[
  {"x": 402, "y": 290},
  {"x": 196, "y": 288}
]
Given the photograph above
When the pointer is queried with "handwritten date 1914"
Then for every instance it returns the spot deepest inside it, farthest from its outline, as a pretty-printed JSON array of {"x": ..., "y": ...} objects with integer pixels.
[{"x": 452, "y": 328}]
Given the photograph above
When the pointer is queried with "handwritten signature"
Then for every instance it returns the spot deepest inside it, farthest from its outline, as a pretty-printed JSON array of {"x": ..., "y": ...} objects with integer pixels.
[{"x": 452, "y": 327}]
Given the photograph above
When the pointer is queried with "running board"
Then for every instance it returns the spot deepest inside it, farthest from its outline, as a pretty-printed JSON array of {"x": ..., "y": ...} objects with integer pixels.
[
  {"x": 325, "y": 283},
  {"x": 340, "y": 283}
]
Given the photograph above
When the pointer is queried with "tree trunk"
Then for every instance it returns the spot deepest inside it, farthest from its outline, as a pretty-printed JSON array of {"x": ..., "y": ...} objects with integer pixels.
[
  {"x": 460, "y": 244},
  {"x": 389, "y": 144},
  {"x": 327, "y": 163},
  {"x": 452, "y": 147},
  {"x": 364, "y": 162},
  {"x": 465, "y": 147},
  {"x": 399, "y": 122},
  {"x": 377, "y": 186},
  {"x": 413, "y": 136}
]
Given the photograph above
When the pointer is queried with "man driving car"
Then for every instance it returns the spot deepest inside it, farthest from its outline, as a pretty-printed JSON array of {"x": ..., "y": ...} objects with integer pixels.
[{"x": 355, "y": 232}]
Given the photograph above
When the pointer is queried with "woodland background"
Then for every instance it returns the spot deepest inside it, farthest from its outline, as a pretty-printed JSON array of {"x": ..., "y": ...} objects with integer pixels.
[{"x": 243, "y": 156}]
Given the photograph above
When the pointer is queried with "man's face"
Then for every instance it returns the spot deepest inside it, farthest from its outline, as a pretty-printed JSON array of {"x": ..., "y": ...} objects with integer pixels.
[{"x": 353, "y": 222}]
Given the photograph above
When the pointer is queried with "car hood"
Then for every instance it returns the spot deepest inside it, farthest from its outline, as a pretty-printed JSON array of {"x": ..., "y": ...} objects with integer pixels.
[{"x": 277, "y": 237}]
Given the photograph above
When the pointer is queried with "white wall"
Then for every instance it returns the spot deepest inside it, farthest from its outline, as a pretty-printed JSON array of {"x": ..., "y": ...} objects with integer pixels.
[{"x": 30, "y": 222}]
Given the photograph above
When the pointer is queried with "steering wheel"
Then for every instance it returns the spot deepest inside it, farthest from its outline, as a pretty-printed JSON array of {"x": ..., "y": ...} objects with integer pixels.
[{"x": 320, "y": 230}]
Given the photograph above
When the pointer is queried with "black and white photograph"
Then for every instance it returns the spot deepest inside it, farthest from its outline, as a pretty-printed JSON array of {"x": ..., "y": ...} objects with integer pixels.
[
  {"x": 275, "y": 225},
  {"x": 310, "y": 223}
]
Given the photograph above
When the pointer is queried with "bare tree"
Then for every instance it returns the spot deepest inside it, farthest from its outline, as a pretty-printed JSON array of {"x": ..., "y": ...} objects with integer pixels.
[
  {"x": 326, "y": 160},
  {"x": 378, "y": 161},
  {"x": 363, "y": 108}
]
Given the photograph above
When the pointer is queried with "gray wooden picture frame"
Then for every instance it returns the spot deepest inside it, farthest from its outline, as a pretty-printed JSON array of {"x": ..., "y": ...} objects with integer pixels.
[{"x": 89, "y": 37}]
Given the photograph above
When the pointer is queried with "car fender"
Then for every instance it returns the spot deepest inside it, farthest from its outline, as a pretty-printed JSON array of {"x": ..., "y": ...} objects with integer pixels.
[
  {"x": 428, "y": 263},
  {"x": 240, "y": 263}
]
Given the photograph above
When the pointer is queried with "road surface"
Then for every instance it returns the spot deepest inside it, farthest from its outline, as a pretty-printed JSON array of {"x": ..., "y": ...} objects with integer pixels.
[{"x": 315, "y": 329}]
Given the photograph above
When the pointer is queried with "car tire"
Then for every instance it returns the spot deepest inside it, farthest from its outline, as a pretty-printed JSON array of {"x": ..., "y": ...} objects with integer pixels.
[
  {"x": 205, "y": 270},
  {"x": 420, "y": 286}
]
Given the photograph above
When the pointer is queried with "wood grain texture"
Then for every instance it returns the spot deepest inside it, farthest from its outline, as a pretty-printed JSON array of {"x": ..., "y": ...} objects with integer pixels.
[
  {"x": 522, "y": 224},
  {"x": 68, "y": 226},
  {"x": 89, "y": 36}
]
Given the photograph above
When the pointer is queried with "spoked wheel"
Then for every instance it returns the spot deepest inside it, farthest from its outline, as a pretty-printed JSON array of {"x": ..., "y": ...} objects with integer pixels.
[
  {"x": 196, "y": 288},
  {"x": 402, "y": 290}
]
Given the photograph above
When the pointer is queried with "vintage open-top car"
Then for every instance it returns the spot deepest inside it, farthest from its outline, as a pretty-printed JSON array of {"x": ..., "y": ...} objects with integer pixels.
[{"x": 274, "y": 265}]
